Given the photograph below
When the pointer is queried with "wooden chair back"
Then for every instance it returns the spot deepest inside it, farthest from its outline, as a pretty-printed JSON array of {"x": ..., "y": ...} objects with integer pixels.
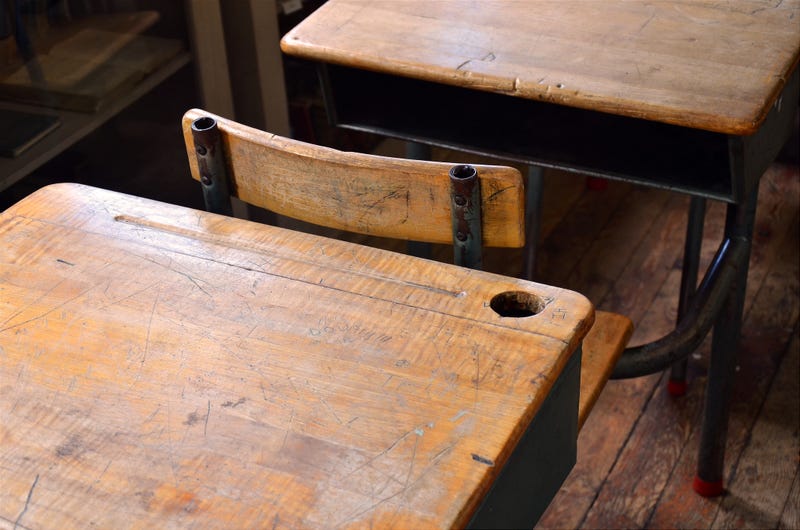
[
  {"x": 385, "y": 197},
  {"x": 431, "y": 202}
]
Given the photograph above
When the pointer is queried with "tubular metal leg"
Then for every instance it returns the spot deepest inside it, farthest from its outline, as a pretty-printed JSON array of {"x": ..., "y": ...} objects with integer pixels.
[
  {"x": 724, "y": 347},
  {"x": 418, "y": 151},
  {"x": 533, "y": 217},
  {"x": 691, "y": 262}
]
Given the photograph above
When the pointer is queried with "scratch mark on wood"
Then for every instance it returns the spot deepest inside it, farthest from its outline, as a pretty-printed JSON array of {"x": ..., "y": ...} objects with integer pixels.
[
  {"x": 149, "y": 328},
  {"x": 411, "y": 465},
  {"x": 482, "y": 460},
  {"x": 458, "y": 416},
  {"x": 234, "y": 404},
  {"x": 43, "y": 315},
  {"x": 286, "y": 432},
  {"x": 647, "y": 22},
  {"x": 498, "y": 192},
  {"x": 100, "y": 476},
  {"x": 438, "y": 456},
  {"x": 373, "y": 505},
  {"x": 205, "y": 424},
  {"x": 27, "y": 502},
  {"x": 65, "y": 262},
  {"x": 330, "y": 409}
]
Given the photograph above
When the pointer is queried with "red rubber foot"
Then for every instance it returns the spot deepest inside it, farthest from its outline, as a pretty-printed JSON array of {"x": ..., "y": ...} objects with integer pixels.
[
  {"x": 707, "y": 489},
  {"x": 676, "y": 388},
  {"x": 596, "y": 183}
]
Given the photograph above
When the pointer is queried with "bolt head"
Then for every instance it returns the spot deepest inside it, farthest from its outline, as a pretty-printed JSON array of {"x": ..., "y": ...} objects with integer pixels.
[
  {"x": 460, "y": 200},
  {"x": 461, "y": 236},
  {"x": 201, "y": 150}
]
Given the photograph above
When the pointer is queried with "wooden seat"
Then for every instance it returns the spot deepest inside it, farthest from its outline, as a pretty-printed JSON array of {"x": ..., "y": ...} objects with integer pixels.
[
  {"x": 385, "y": 197},
  {"x": 602, "y": 346}
]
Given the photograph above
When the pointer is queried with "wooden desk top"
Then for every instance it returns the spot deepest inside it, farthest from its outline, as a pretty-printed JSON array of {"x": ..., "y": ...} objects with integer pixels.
[
  {"x": 710, "y": 65},
  {"x": 166, "y": 367}
]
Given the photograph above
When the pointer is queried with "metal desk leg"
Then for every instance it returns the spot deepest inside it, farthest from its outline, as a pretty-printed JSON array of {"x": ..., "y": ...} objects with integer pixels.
[
  {"x": 724, "y": 347},
  {"x": 533, "y": 216},
  {"x": 691, "y": 262}
]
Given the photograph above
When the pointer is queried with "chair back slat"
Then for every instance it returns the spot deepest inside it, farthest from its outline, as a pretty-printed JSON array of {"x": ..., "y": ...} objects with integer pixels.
[{"x": 368, "y": 194}]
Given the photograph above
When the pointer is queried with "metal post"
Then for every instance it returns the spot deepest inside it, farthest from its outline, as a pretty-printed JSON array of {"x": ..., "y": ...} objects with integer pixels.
[
  {"x": 691, "y": 262},
  {"x": 465, "y": 204},
  {"x": 724, "y": 349},
  {"x": 533, "y": 218},
  {"x": 211, "y": 162}
]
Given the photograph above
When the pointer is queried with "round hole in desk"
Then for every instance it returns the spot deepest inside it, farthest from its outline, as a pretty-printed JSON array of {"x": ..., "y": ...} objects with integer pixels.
[{"x": 516, "y": 304}]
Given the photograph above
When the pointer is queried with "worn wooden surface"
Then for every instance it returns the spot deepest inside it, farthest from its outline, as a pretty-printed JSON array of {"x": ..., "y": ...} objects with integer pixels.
[
  {"x": 601, "y": 348},
  {"x": 166, "y": 367},
  {"x": 368, "y": 194},
  {"x": 710, "y": 65}
]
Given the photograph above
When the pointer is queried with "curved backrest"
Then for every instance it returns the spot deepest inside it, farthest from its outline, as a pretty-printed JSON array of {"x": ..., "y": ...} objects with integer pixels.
[{"x": 368, "y": 194}]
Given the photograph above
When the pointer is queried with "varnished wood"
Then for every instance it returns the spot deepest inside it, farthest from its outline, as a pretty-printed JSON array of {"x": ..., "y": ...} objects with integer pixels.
[
  {"x": 368, "y": 194},
  {"x": 165, "y": 367},
  {"x": 602, "y": 346},
  {"x": 710, "y": 65}
]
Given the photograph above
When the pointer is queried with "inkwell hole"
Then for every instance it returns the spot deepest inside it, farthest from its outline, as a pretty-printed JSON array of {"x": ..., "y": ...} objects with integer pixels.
[{"x": 516, "y": 304}]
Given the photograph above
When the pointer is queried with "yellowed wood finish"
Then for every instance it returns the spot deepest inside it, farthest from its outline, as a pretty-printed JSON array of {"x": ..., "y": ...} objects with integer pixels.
[
  {"x": 602, "y": 346},
  {"x": 368, "y": 194},
  {"x": 165, "y": 367},
  {"x": 703, "y": 64}
]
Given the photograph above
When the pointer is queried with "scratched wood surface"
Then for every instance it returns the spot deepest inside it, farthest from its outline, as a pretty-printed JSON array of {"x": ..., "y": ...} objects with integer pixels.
[
  {"x": 705, "y": 64},
  {"x": 364, "y": 193},
  {"x": 165, "y": 367}
]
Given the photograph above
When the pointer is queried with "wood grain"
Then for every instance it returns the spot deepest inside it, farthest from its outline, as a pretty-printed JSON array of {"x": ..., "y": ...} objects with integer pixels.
[
  {"x": 169, "y": 367},
  {"x": 368, "y": 194},
  {"x": 762, "y": 468},
  {"x": 602, "y": 346},
  {"x": 709, "y": 65}
]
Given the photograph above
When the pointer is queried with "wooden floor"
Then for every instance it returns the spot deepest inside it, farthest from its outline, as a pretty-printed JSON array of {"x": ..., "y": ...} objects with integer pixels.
[{"x": 622, "y": 247}]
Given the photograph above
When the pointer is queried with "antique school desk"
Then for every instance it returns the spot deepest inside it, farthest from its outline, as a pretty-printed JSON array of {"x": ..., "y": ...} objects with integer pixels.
[
  {"x": 695, "y": 97},
  {"x": 164, "y": 367}
]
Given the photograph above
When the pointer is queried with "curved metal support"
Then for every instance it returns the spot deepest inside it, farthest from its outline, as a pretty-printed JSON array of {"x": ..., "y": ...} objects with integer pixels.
[{"x": 697, "y": 320}]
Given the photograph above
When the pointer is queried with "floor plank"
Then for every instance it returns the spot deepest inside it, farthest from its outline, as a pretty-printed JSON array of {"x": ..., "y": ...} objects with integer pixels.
[{"x": 754, "y": 497}]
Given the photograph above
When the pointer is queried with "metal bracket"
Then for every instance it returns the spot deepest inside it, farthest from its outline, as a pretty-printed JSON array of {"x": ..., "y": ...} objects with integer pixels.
[
  {"x": 211, "y": 163},
  {"x": 465, "y": 205}
]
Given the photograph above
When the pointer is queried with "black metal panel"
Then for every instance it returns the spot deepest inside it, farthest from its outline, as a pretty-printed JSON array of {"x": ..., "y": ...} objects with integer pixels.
[
  {"x": 541, "y": 461},
  {"x": 751, "y": 155},
  {"x": 532, "y": 132}
]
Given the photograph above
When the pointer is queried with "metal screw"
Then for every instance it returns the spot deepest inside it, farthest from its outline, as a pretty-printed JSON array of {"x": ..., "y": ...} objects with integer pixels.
[
  {"x": 205, "y": 179},
  {"x": 201, "y": 150},
  {"x": 460, "y": 200},
  {"x": 461, "y": 236}
]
